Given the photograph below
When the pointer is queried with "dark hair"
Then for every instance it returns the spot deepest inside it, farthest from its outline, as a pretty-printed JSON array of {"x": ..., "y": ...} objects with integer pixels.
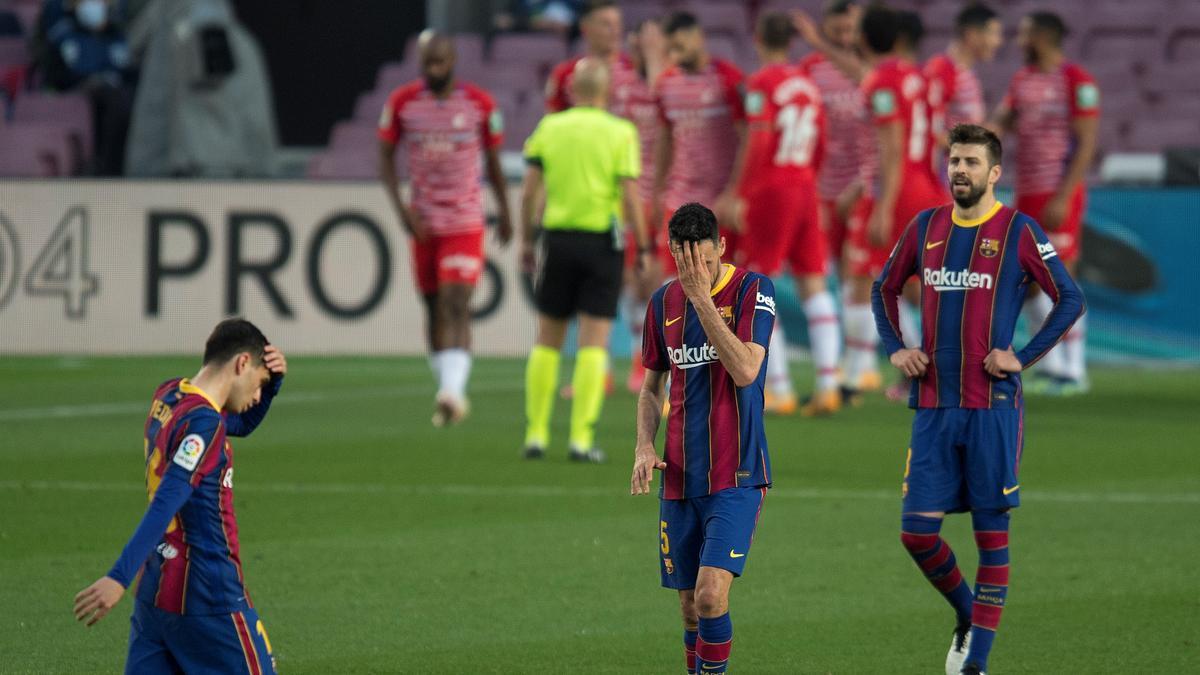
[
  {"x": 973, "y": 134},
  {"x": 232, "y": 337},
  {"x": 974, "y": 15},
  {"x": 909, "y": 26},
  {"x": 775, "y": 30},
  {"x": 838, "y": 7},
  {"x": 595, "y": 6},
  {"x": 1051, "y": 24},
  {"x": 693, "y": 222},
  {"x": 879, "y": 28},
  {"x": 678, "y": 21}
]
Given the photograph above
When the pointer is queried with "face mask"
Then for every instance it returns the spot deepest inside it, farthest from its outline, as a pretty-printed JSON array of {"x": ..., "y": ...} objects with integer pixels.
[{"x": 92, "y": 14}]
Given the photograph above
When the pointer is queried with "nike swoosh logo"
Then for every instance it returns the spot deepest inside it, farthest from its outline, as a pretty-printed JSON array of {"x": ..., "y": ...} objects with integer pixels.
[
  {"x": 736, "y": 555},
  {"x": 674, "y": 321},
  {"x": 934, "y": 244},
  {"x": 1009, "y": 491}
]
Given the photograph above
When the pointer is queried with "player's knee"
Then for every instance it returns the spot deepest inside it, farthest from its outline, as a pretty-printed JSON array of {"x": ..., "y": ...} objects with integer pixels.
[
  {"x": 710, "y": 602},
  {"x": 687, "y": 607}
]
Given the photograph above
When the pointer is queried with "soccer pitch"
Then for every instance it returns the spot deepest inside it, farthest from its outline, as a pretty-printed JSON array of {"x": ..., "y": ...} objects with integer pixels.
[{"x": 375, "y": 543}]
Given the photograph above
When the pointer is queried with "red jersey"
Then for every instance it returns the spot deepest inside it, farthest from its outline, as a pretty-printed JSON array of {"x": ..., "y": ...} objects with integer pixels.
[
  {"x": 1045, "y": 105},
  {"x": 896, "y": 92},
  {"x": 848, "y": 138},
  {"x": 701, "y": 111},
  {"x": 955, "y": 95},
  {"x": 786, "y": 121},
  {"x": 443, "y": 139}
]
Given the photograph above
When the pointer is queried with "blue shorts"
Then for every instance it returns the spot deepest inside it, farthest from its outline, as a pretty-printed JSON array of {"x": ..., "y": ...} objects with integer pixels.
[
  {"x": 962, "y": 459},
  {"x": 710, "y": 531},
  {"x": 165, "y": 642}
]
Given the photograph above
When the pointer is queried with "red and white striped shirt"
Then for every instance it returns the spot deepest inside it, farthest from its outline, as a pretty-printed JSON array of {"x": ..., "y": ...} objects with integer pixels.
[
  {"x": 1045, "y": 104},
  {"x": 701, "y": 111},
  {"x": 955, "y": 95},
  {"x": 849, "y": 136},
  {"x": 443, "y": 139}
]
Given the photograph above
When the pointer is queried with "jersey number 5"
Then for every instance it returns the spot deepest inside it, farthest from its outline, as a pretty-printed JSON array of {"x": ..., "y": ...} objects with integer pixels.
[{"x": 798, "y": 128}]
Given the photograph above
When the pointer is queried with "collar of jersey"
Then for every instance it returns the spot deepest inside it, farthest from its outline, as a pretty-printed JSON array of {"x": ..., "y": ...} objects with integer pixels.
[
  {"x": 188, "y": 388},
  {"x": 976, "y": 221},
  {"x": 729, "y": 269}
]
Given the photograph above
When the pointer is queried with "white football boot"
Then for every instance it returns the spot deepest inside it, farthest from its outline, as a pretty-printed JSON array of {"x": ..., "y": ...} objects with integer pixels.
[{"x": 959, "y": 644}]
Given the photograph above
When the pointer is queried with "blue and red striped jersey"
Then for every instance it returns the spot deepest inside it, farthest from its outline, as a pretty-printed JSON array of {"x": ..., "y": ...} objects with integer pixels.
[
  {"x": 715, "y": 438},
  {"x": 974, "y": 276}
]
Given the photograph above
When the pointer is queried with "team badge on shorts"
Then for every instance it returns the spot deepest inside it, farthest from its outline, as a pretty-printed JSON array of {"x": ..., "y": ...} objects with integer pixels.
[{"x": 989, "y": 248}]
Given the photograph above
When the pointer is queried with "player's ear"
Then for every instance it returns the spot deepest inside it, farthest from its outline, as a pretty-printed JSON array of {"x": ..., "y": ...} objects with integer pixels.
[
  {"x": 721, "y": 248},
  {"x": 241, "y": 362},
  {"x": 994, "y": 174}
]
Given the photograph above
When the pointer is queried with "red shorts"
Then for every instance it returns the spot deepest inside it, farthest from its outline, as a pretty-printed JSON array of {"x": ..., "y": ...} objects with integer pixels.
[
  {"x": 783, "y": 223},
  {"x": 917, "y": 193},
  {"x": 1066, "y": 238},
  {"x": 663, "y": 241},
  {"x": 834, "y": 228},
  {"x": 448, "y": 259}
]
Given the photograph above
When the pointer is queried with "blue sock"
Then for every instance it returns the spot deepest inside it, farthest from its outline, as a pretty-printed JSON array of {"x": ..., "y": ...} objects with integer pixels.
[
  {"x": 714, "y": 644},
  {"x": 991, "y": 582},
  {"x": 689, "y": 649},
  {"x": 933, "y": 555}
]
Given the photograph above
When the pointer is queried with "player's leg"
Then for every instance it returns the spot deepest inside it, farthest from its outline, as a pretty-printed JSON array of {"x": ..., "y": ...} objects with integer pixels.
[
  {"x": 730, "y": 518},
  {"x": 221, "y": 643},
  {"x": 933, "y": 486},
  {"x": 771, "y": 219},
  {"x": 424, "y": 258},
  {"x": 148, "y": 653},
  {"x": 554, "y": 292},
  {"x": 808, "y": 259},
  {"x": 1074, "y": 345},
  {"x": 691, "y": 627},
  {"x": 680, "y": 537},
  {"x": 460, "y": 263},
  {"x": 638, "y": 289},
  {"x": 861, "y": 368},
  {"x": 598, "y": 295}
]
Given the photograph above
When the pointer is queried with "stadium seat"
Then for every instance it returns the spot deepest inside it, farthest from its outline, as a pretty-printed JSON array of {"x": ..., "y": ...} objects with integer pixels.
[
  {"x": 13, "y": 51},
  {"x": 38, "y": 149},
  {"x": 1137, "y": 45},
  {"x": 352, "y": 135},
  {"x": 537, "y": 52},
  {"x": 345, "y": 165},
  {"x": 522, "y": 81},
  {"x": 634, "y": 13},
  {"x": 721, "y": 18},
  {"x": 1183, "y": 46},
  {"x": 395, "y": 73},
  {"x": 70, "y": 110},
  {"x": 1157, "y": 134},
  {"x": 369, "y": 105},
  {"x": 520, "y": 123}
]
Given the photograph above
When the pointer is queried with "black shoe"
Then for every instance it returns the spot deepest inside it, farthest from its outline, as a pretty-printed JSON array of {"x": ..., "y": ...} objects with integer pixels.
[
  {"x": 593, "y": 456},
  {"x": 534, "y": 452},
  {"x": 851, "y": 398},
  {"x": 972, "y": 669}
]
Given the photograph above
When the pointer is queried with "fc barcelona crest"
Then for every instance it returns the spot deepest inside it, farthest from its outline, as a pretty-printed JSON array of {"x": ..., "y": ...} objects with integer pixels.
[{"x": 989, "y": 248}]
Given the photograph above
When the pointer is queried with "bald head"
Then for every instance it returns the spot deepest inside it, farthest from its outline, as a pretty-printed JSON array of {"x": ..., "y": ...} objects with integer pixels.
[
  {"x": 589, "y": 82},
  {"x": 436, "y": 52}
]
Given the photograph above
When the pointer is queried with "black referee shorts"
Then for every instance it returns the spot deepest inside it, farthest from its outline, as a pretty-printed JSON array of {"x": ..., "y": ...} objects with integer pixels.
[{"x": 580, "y": 272}]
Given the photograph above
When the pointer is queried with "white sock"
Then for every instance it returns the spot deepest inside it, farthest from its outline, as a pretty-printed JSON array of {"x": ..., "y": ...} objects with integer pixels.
[
  {"x": 456, "y": 370},
  {"x": 861, "y": 339},
  {"x": 1074, "y": 347},
  {"x": 824, "y": 335},
  {"x": 778, "y": 380},
  {"x": 910, "y": 325},
  {"x": 1036, "y": 310},
  {"x": 436, "y": 361}
]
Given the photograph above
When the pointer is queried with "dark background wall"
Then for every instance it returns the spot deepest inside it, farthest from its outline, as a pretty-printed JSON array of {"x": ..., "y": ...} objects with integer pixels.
[{"x": 323, "y": 53}]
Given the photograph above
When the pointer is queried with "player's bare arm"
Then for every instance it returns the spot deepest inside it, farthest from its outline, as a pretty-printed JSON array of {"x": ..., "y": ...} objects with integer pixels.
[
  {"x": 631, "y": 203},
  {"x": 848, "y": 198},
  {"x": 97, "y": 600},
  {"x": 846, "y": 61},
  {"x": 1002, "y": 120},
  {"x": 742, "y": 360},
  {"x": 410, "y": 220},
  {"x": 1085, "y": 131},
  {"x": 664, "y": 148},
  {"x": 531, "y": 200},
  {"x": 504, "y": 229},
  {"x": 649, "y": 414},
  {"x": 1000, "y": 362},
  {"x": 729, "y": 207},
  {"x": 891, "y": 158}
]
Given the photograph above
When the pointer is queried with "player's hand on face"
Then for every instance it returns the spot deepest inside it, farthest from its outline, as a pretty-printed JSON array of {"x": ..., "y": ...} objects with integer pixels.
[
  {"x": 645, "y": 463},
  {"x": 911, "y": 362},
  {"x": 1054, "y": 213},
  {"x": 1000, "y": 362},
  {"x": 879, "y": 226},
  {"x": 96, "y": 601},
  {"x": 274, "y": 360},
  {"x": 693, "y": 272}
]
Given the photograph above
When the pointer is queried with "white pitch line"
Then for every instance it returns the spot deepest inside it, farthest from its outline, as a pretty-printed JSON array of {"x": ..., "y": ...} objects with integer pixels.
[
  {"x": 286, "y": 398},
  {"x": 559, "y": 491}
]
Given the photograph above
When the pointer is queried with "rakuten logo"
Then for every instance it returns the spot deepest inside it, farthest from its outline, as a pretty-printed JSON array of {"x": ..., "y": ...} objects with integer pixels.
[
  {"x": 960, "y": 280},
  {"x": 692, "y": 357}
]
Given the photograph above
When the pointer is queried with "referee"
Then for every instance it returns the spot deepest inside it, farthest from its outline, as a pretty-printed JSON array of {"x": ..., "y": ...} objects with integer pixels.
[{"x": 583, "y": 163}]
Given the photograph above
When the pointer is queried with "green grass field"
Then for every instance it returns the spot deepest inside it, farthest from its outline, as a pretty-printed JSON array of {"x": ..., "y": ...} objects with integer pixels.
[{"x": 375, "y": 543}]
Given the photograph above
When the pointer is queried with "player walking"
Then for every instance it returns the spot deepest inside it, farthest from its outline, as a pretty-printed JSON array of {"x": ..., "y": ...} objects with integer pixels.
[
  {"x": 1053, "y": 105},
  {"x": 192, "y": 612},
  {"x": 444, "y": 124},
  {"x": 974, "y": 260},
  {"x": 710, "y": 328},
  {"x": 782, "y": 211}
]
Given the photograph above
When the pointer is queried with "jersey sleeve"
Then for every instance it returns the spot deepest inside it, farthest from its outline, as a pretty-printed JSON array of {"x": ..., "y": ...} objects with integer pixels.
[
  {"x": 556, "y": 87},
  {"x": 491, "y": 128},
  {"x": 1085, "y": 95},
  {"x": 244, "y": 423},
  {"x": 885, "y": 292},
  {"x": 883, "y": 100},
  {"x": 733, "y": 79},
  {"x": 172, "y": 493},
  {"x": 390, "y": 129},
  {"x": 1041, "y": 262},
  {"x": 757, "y": 96},
  {"x": 654, "y": 344},
  {"x": 194, "y": 449},
  {"x": 756, "y": 317}
]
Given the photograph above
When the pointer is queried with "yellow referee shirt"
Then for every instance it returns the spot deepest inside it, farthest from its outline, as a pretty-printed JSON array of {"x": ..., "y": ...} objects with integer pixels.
[{"x": 584, "y": 153}]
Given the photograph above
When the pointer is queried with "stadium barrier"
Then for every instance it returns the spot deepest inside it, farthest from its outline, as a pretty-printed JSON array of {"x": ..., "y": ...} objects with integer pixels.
[{"x": 94, "y": 267}]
